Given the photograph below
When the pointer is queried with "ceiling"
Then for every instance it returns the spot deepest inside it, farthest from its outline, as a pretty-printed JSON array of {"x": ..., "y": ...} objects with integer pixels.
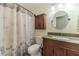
[{"x": 37, "y": 8}]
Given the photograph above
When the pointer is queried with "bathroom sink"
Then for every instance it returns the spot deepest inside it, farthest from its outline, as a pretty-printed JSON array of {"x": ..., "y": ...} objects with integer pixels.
[
  {"x": 60, "y": 38},
  {"x": 64, "y": 38},
  {"x": 74, "y": 38}
]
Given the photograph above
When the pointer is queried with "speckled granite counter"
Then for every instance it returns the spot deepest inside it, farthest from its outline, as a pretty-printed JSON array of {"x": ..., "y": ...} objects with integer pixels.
[{"x": 63, "y": 38}]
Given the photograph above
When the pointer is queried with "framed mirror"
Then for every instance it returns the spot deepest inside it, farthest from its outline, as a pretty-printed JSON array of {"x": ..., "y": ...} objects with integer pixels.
[{"x": 60, "y": 20}]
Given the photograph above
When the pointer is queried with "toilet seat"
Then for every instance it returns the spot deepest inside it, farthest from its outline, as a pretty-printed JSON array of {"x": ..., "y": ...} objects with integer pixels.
[{"x": 33, "y": 49}]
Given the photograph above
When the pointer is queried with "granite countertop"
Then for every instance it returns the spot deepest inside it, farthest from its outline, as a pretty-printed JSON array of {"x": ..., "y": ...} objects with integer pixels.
[{"x": 63, "y": 38}]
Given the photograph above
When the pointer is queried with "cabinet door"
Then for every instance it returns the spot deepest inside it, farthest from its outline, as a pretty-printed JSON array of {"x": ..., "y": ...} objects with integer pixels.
[
  {"x": 58, "y": 51},
  {"x": 72, "y": 53},
  {"x": 47, "y": 48},
  {"x": 36, "y": 22},
  {"x": 40, "y": 22},
  {"x": 48, "y": 51}
]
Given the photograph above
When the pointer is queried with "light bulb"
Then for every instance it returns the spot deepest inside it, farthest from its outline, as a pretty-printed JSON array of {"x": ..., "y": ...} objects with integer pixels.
[
  {"x": 60, "y": 6},
  {"x": 52, "y": 7}
]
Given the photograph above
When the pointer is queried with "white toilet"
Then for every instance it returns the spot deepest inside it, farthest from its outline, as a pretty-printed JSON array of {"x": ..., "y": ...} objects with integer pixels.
[{"x": 35, "y": 49}]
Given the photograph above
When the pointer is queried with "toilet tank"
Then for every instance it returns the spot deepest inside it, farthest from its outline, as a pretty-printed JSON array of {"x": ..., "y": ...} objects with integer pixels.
[{"x": 38, "y": 40}]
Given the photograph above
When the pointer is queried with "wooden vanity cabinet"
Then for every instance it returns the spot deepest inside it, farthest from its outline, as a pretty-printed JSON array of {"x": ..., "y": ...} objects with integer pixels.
[
  {"x": 40, "y": 22},
  {"x": 59, "y": 48},
  {"x": 72, "y": 53},
  {"x": 47, "y": 48},
  {"x": 58, "y": 51}
]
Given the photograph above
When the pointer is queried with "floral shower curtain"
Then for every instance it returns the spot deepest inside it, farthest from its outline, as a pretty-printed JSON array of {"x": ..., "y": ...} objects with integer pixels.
[
  {"x": 26, "y": 30},
  {"x": 17, "y": 29},
  {"x": 1, "y": 28},
  {"x": 8, "y": 28}
]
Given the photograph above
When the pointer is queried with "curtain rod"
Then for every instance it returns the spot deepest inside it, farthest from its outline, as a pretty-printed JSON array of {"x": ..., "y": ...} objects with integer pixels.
[{"x": 24, "y": 8}]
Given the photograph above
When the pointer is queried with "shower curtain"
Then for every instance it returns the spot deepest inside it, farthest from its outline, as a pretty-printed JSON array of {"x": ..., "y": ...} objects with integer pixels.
[
  {"x": 1, "y": 28},
  {"x": 17, "y": 29},
  {"x": 25, "y": 21}
]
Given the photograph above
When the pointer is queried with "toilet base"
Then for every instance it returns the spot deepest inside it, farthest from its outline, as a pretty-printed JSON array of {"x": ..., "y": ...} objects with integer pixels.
[{"x": 39, "y": 54}]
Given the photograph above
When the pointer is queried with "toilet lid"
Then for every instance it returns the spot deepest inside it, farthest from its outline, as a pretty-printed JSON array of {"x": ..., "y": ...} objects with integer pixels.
[{"x": 34, "y": 47}]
